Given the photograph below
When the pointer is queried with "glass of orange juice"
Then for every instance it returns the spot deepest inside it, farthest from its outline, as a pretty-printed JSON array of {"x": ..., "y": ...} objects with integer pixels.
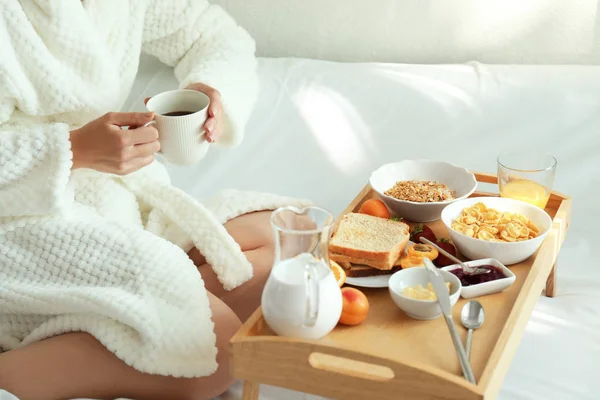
[{"x": 526, "y": 175}]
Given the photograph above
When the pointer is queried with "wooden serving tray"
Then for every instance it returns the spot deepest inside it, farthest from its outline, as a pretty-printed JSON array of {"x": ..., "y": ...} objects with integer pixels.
[{"x": 391, "y": 356}]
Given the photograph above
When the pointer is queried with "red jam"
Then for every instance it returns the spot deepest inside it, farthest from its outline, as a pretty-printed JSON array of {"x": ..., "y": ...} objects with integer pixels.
[{"x": 470, "y": 279}]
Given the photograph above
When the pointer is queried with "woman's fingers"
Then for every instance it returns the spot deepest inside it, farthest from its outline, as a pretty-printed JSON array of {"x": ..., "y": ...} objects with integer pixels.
[
  {"x": 145, "y": 150},
  {"x": 128, "y": 118},
  {"x": 143, "y": 135},
  {"x": 209, "y": 128},
  {"x": 143, "y": 145},
  {"x": 214, "y": 109}
]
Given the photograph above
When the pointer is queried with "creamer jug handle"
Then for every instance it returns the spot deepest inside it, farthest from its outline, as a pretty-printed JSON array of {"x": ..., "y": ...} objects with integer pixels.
[{"x": 311, "y": 280}]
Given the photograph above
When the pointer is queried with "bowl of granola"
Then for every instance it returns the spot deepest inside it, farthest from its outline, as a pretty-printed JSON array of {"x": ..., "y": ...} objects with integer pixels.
[{"x": 418, "y": 190}]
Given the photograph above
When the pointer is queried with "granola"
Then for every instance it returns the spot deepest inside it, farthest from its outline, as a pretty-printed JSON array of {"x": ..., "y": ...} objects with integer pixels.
[{"x": 421, "y": 191}]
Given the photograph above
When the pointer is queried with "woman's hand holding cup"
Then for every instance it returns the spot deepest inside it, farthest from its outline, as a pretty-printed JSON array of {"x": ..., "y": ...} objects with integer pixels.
[
  {"x": 215, "y": 122},
  {"x": 102, "y": 144}
]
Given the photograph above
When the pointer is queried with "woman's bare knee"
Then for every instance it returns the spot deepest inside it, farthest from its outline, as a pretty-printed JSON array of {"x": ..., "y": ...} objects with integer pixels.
[
  {"x": 251, "y": 231},
  {"x": 226, "y": 325},
  {"x": 76, "y": 365}
]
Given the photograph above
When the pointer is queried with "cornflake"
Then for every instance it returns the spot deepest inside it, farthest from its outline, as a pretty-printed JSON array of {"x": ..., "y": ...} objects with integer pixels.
[{"x": 421, "y": 191}]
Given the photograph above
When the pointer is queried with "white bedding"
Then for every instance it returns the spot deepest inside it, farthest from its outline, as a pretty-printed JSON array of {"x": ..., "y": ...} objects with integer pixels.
[
  {"x": 320, "y": 128},
  {"x": 414, "y": 31}
]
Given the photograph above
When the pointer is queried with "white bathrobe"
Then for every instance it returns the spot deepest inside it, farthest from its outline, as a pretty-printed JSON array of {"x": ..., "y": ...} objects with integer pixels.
[{"x": 87, "y": 251}]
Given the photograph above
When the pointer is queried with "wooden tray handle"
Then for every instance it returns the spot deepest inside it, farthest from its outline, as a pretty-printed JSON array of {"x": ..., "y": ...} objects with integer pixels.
[
  {"x": 485, "y": 178},
  {"x": 378, "y": 370},
  {"x": 350, "y": 367}
]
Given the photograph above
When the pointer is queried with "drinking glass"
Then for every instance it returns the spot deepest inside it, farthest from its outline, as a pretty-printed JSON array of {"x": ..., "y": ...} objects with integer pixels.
[{"x": 526, "y": 175}]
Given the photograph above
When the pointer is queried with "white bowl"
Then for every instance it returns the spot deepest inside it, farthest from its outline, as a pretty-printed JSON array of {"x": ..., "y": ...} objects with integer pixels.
[
  {"x": 482, "y": 289},
  {"x": 507, "y": 253},
  {"x": 456, "y": 178},
  {"x": 420, "y": 309}
]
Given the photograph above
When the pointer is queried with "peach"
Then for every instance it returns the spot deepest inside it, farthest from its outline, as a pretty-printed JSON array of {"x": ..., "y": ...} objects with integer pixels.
[{"x": 355, "y": 306}]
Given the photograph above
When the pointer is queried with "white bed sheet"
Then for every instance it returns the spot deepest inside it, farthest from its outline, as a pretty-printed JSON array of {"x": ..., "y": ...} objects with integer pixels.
[{"x": 320, "y": 128}]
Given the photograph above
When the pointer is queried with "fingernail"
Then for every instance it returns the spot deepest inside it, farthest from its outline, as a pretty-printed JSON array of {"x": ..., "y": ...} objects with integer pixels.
[
  {"x": 149, "y": 114},
  {"x": 210, "y": 125}
]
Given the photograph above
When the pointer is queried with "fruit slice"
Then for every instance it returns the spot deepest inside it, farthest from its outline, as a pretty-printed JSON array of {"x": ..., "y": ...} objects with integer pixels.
[
  {"x": 375, "y": 208},
  {"x": 338, "y": 273},
  {"x": 423, "y": 251},
  {"x": 407, "y": 261}
]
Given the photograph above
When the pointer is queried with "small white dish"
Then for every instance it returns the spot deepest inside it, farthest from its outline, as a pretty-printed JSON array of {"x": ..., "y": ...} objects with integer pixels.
[
  {"x": 455, "y": 178},
  {"x": 420, "y": 309},
  {"x": 507, "y": 253},
  {"x": 376, "y": 281},
  {"x": 485, "y": 288}
]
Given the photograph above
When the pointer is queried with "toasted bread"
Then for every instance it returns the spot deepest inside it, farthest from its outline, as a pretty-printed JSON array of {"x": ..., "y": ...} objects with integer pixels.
[{"x": 364, "y": 239}]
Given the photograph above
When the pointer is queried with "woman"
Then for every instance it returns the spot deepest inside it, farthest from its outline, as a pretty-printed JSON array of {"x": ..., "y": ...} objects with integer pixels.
[{"x": 99, "y": 254}]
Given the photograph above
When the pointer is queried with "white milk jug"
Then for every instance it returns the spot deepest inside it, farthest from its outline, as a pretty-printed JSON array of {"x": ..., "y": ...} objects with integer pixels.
[{"x": 301, "y": 297}]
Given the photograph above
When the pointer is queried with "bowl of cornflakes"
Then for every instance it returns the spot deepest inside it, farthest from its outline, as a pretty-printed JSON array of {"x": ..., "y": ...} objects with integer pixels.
[
  {"x": 419, "y": 190},
  {"x": 508, "y": 230}
]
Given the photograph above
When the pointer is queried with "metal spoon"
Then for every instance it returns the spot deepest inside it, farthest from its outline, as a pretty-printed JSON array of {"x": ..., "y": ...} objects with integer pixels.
[
  {"x": 468, "y": 270},
  {"x": 471, "y": 317}
]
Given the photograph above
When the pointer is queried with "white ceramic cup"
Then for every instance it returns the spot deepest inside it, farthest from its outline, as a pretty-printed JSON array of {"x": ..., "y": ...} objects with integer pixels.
[{"x": 182, "y": 138}]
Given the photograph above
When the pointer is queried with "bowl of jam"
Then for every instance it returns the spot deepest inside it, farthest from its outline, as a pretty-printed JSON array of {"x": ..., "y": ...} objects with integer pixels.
[{"x": 497, "y": 279}]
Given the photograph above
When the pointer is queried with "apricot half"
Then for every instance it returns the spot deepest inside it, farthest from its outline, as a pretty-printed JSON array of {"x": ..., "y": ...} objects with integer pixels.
[
  {"x": 375, "y": 208},
  {"x": 422, "y": 250}
]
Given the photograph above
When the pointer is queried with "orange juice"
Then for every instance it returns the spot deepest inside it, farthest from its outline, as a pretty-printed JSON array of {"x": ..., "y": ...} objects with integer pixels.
[{"x": 525, "y": 190}]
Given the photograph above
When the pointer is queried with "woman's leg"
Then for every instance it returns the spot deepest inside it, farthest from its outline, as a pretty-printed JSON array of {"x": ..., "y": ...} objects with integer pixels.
[
  {"x": 254, "y": 235},
  {"x": 76, "y": 365}
]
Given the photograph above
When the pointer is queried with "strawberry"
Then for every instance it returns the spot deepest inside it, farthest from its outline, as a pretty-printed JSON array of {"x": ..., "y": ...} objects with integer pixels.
[
  {"x": 442, "y": 260},
  {"x": 422, "y": 231}
]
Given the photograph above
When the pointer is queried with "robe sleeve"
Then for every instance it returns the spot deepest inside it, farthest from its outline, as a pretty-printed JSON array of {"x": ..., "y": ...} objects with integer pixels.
[
  {"x": 35, "y": 166},
  {"x": 204, "y": 44}
]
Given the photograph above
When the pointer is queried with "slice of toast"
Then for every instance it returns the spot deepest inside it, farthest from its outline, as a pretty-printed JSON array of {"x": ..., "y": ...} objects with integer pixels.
[{"x": 377, "y": 242}]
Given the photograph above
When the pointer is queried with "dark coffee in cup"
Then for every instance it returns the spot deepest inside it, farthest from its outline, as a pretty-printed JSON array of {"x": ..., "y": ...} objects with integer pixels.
[{"x": 178, "y": 113}]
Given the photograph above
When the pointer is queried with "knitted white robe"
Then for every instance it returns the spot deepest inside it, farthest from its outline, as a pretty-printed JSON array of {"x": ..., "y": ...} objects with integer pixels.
[{"x": 87, "y": 251}]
